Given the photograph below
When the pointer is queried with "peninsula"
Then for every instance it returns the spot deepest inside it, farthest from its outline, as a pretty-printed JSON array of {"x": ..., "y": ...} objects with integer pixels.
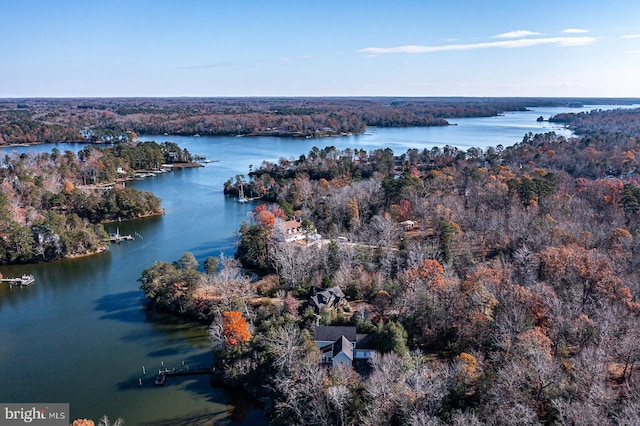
[
  {"x": 52, "y": 205},
  {"x": 441, "y": 286}
]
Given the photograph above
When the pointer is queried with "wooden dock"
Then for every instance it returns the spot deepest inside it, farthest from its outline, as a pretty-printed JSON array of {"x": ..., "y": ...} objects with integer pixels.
[
  {"x": 161, "y": 378},
  {"x": 22, "y": 281}
]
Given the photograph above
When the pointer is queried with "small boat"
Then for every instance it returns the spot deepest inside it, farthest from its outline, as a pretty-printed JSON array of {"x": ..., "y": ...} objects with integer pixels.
[{"x": 241, "y": 198}]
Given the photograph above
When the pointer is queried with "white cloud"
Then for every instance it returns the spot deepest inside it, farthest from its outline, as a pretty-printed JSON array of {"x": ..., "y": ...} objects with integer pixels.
[
  {"x": 629, "y": 36},
  {"x": 516, "y": 34},
  {"x": 574, "y": 31},
  {"x": 508, "y": 44}
]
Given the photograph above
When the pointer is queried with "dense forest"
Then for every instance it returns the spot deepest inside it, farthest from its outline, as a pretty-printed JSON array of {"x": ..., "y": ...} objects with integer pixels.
[
  {"x": 499, "y": 285},
  {"x": 52, "y": 205},
  {"x": 122, "y": 119},
  {"x": 622, "y": 121}
]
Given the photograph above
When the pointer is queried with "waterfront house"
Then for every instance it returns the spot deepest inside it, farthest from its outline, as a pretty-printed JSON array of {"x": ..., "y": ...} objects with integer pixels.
[
  {"x": 292, "y": 230},
  {"x": 342, "y": 345}
]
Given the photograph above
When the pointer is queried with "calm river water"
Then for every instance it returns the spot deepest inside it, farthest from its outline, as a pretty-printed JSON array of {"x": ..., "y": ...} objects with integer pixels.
[{"x": 80, "y": 333}]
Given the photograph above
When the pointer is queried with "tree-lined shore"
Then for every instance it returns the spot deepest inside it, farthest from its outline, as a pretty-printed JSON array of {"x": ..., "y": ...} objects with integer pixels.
[{"x": 500, "y": 285}]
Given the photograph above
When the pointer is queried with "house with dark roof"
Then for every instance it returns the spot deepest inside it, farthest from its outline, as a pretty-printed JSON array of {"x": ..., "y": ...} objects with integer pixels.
[
  {"x": 329, "y": 297},
  {"x": 342, "y": 345}
]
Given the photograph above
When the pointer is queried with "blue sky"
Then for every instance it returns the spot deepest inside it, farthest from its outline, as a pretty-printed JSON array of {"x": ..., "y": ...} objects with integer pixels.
[{"x": 87, "y": 48}]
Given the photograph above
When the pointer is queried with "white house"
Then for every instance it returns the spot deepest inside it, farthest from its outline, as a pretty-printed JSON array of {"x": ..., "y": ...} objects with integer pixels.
[
  {"x": 292, "y": 230},
  {"x": 407, "y": 225}
]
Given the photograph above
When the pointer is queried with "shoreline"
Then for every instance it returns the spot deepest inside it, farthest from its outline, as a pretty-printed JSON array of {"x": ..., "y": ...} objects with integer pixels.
[
  {"x": 102, "y": 249},
  {"x": 160, "y": 213}
]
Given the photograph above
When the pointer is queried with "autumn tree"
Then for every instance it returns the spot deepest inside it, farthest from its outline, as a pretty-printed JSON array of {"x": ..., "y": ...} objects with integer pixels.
[
  {"x": 402, "y": 211},
  {"x": 475, "y": 305},
  {"x": 235, "y": 328},
  {"x": 579, "y": 275},
  {"x": 265, "y": 219},
  {"x": 82, "y": 422}
]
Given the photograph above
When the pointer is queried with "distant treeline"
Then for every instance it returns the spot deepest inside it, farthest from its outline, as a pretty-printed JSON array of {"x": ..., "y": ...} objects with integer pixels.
[{"x": 108, "y": 120}]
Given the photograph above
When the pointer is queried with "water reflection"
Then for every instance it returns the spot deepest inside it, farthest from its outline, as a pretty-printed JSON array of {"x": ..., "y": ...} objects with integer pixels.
[{"x": 121, "y": 307}]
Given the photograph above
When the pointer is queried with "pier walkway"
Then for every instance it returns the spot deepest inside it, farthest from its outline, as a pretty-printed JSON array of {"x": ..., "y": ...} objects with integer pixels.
[
  {"x": 24, "y": 280},
  {"x": 161, "y": 378}
]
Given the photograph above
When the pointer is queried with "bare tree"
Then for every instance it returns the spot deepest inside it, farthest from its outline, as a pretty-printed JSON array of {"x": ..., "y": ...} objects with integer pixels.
[
  {"x": 216, "y": 334},
  {"x": 384, "y": 389},
  {"x": 420, "y": 418},
  {"x": 301, "y": 401},
  {"x": 381, "y": 231},
  {"x": 230, "y": 284},
  {"x": 508, "y": 403},
  {"x": 104, "y": 421},
  {"x": 285, "y": 345},
  {"x": 292, "y": 262},
  {"x": 526, "y": 265},
  {"x": 580, "y": 413},
  {"x": 630, "y": 411},
  {"x": 338, "y": 397}
]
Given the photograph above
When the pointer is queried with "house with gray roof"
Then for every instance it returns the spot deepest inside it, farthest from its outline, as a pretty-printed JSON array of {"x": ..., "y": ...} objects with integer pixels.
[
  {"x": 329, "y": 297},
  {"x": 342, "y": 345}
]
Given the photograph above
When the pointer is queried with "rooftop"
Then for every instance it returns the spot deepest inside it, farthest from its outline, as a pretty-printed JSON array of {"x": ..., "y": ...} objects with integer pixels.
[{"x": 326, "y": 333}]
